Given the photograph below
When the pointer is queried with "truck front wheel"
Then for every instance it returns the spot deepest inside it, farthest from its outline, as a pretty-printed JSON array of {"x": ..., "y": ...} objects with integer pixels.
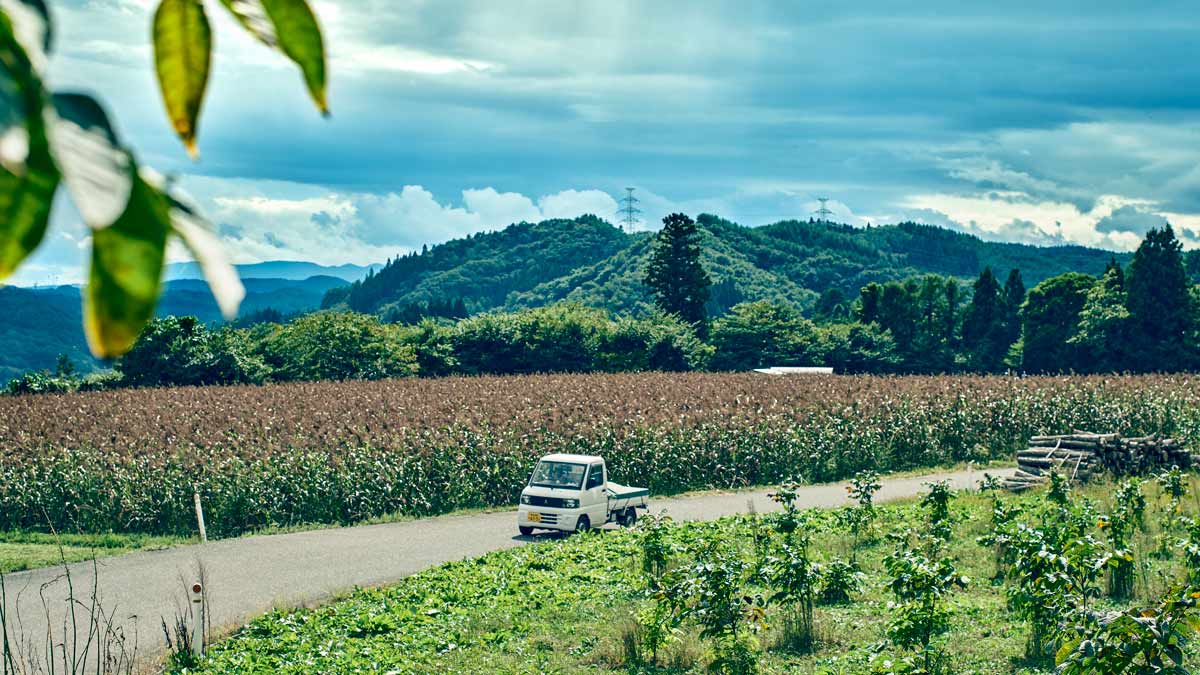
[
  {"x": 525, "y": 531},
  {"x": 583, "y": 525}
]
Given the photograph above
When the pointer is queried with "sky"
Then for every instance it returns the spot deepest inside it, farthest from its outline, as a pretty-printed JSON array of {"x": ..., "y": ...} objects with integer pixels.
[{"x": 1035, "y": 122}]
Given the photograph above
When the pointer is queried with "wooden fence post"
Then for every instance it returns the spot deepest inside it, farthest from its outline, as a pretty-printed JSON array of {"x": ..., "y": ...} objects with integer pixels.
[{"x": 200, "y": 516}]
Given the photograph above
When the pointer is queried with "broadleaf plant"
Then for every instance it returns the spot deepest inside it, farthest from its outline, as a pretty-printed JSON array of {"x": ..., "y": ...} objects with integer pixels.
[{"x": 51, "y": 138}]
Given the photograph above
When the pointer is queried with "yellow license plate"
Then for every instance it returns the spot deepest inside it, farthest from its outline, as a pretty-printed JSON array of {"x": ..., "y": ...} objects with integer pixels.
[{"x": 535, "y": 517}]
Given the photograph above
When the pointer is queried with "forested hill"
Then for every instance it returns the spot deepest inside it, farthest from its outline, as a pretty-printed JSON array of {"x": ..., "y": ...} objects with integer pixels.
[
  {"x": 592, "y": 262},
  {"x": 41, "y": 323},
  {"x": 484, "y": 268}
]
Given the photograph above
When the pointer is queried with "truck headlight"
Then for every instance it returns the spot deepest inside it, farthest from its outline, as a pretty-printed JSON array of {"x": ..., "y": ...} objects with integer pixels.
[
  {"x": 570, "y": 503},
  {"x": 526, "y": 500}
]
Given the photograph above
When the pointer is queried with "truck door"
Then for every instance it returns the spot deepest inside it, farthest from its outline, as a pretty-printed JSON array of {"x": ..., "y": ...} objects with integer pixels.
[{"x": 595, "y": 498}]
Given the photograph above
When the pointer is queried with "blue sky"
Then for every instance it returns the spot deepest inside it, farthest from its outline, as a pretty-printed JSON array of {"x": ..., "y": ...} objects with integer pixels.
[{"x": 1019, "y": 121}]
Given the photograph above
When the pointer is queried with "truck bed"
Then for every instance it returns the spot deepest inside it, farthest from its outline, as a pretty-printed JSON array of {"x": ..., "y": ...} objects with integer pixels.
[{"x": 627, "y": 496}]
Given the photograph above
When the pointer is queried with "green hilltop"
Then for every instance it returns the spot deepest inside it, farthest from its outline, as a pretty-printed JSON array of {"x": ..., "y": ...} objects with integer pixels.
[{"x": 589, "y": 261}]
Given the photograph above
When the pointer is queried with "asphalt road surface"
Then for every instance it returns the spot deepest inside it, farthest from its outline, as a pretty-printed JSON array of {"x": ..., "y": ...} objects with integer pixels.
[{"x": 248, "y": 576}]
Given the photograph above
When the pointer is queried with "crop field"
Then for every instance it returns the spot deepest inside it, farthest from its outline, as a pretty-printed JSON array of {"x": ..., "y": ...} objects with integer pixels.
[
  {"x": 127, "y": 461},
  {"x": 1094, "y": 578}
]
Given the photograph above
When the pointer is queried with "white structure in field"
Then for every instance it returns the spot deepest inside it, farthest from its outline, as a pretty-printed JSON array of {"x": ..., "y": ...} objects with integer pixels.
[{"x": 795, "y": 370}]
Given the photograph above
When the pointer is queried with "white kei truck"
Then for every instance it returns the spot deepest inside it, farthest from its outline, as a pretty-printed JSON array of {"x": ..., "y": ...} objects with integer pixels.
[{"x": 572, "y": 493}]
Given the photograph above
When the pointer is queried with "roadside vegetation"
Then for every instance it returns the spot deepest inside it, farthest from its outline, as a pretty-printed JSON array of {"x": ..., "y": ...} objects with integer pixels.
[
  {"x": 340, "y": 453},
  {"x": 31, "y": 550},
  {"x": 1093, "y": 579}
]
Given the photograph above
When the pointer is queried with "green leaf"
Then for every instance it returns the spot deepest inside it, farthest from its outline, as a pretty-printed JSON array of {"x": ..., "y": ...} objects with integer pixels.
[
  {"x": 129, "y": 219},
  {"x": 95, "y": 167},
  {"x": 1065, "y": 650},
  {"x": 29, "y": 21},
  {"x": 253, "y": 17},
  {"x": 25, "y": 201},
  {"x": 182, "y": 55},
  {"x": 291, "y": 27},
  {"x": 28, "y": 176},
  {"x": 126, "y": 272}
]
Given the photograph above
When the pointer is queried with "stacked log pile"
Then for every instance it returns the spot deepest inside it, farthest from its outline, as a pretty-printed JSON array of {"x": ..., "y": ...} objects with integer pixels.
[{"x": 1081, "y": 456}]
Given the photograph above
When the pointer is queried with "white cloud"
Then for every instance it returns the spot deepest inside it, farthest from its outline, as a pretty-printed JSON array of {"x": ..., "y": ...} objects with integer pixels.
[
  {"x": 271, "y": 221},
  {"x": 1015, "y": 216},
  {"x": 408, "y": 219},
  {"x": 500, "y": 207},
  {"x": 571, "y": 203},
  {"x": 278, "y": 208},
  {"x": 354, "y": 58}
]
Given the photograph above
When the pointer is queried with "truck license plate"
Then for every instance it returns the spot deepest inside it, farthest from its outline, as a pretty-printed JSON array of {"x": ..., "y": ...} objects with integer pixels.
[{"x": 535, "y": 517}]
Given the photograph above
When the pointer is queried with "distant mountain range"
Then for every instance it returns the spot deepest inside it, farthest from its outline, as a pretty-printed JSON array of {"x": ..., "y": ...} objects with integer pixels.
[
  {"x": 192, "y": 297},
  {"x": 295, "y": 270},
  {"x": 587, "y": 260},
  {"x": 41, "y": 323}
]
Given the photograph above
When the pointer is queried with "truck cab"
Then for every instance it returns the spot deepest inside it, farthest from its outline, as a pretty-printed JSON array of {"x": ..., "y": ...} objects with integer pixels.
[{"x": 572, "y": 493}]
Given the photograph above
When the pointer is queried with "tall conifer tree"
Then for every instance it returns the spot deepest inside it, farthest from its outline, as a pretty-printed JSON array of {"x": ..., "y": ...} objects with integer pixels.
[
  {"x": 1012, "y": 299},
  {"x": 983, "y": 325},
  {"x": 1159, "y": 303},
  {"x": 680, "y": 284}
]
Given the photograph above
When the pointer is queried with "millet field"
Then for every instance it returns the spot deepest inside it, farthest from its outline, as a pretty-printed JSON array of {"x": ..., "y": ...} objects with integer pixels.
[{"x": 127, "y": 461}]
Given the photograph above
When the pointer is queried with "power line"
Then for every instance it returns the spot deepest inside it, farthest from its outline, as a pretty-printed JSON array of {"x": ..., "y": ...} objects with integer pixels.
[
  {"x": 629, "y": 211},
  {"x": 824, "y": 212}
]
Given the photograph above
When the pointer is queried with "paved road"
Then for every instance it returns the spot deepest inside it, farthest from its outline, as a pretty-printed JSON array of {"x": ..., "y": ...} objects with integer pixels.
[{"x": 251, "y": 575}]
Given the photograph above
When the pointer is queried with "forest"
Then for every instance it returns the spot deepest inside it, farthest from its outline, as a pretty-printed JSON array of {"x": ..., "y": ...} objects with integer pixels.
[
  {"x": 1139, "y": 317},
  {"x": 588, "y": 260}
]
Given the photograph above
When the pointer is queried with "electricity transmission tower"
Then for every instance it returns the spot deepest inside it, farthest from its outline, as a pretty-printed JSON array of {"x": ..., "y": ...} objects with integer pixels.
[
  {"x": 823, "y": 213},
  {"x": 629, "y": 210}
]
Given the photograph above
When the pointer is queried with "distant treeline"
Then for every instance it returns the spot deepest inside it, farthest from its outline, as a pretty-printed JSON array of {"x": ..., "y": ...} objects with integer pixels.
[{"x": 1143, "y": 317}]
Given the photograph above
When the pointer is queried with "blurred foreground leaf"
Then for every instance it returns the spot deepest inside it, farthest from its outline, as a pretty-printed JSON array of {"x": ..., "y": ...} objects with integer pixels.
[
  {"x": 129, "y": 228},
  {"x": 28, "y": 177},
  {"x": 182, "y": 55},
  {"x": 69, "y": 137},
  {"x": 96, "y": 169},
  {"x": 222, "y": 277},
  {"x": 29, "y": 23},
  {"x": 126, "y": 272},
  {"x": 291, "y": 27}
]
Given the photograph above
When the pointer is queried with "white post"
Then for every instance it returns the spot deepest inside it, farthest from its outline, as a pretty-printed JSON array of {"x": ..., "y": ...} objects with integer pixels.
[
  {"x": 197, "y": 619},
  {"x": 200, "y": 517}
]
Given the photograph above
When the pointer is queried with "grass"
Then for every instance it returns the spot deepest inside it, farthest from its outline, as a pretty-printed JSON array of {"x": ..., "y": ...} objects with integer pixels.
[
  {"x": 566, "y": 607},
  {"x": 31, "y": 550}
]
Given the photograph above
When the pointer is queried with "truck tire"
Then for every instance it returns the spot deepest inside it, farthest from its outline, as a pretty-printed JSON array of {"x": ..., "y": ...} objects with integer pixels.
[
  {"x": 525, "y": 531},
  {"x": 629, "y": 517},
  {"x": 582, "y": 525}
]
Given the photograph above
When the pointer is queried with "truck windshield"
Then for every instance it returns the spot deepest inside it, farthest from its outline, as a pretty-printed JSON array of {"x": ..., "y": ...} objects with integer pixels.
[{"x": 558, "y": 475}]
